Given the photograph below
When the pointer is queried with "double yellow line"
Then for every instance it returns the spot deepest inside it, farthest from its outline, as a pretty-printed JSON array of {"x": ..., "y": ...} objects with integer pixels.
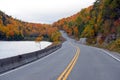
[{"x": 64, "y": 75}]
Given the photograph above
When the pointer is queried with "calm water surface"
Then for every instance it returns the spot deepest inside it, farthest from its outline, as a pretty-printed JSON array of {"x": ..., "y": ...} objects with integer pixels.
[{"x": 13, "y": 48}]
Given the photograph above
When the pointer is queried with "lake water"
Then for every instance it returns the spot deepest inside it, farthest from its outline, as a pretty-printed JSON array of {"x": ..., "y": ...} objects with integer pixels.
[{"x": 13, "y": 48}]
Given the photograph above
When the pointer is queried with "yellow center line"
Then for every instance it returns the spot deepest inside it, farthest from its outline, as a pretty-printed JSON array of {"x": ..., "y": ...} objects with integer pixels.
[{"x": 69, "y": 68}]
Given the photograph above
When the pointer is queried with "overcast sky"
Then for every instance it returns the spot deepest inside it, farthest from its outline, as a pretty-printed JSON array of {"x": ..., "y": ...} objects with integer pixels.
[{"x": 43, "y": 11}]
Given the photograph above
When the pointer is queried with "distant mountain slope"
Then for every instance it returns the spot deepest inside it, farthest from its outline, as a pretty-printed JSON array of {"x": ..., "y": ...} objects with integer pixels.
[
  {"x": 99, "y": 23},
  {"x": 101, "y": 18},
  {"x": 14, "y": 29},
  {"x": 74, "y": 25}
]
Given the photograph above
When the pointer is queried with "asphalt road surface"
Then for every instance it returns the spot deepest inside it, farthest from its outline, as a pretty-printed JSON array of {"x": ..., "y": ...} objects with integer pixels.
[{"x": 71, "y": 62}]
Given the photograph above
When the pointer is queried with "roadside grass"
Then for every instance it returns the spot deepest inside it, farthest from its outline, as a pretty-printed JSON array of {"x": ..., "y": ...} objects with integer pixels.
[{"x": 113, "y": 46}]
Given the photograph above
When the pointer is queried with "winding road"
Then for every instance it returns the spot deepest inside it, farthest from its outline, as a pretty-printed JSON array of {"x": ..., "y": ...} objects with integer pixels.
[{"x": 72, "y": 61}]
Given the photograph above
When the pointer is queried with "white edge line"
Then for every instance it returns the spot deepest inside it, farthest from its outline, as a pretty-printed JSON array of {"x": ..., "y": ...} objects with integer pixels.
[
  {"x": 25, "y": 65},
  {"x": 110, "y": 55},
  {"x": 107, "y": 53}
]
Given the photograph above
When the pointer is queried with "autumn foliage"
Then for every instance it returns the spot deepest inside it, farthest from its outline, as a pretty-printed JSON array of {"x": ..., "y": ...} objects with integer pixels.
[
  {"x": 101, "y": 20},
  {"x": 14, "y": 29}
]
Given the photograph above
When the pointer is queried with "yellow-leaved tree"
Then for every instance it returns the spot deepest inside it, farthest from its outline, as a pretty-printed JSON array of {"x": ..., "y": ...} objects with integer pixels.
[{"x": 38, "y": 39}]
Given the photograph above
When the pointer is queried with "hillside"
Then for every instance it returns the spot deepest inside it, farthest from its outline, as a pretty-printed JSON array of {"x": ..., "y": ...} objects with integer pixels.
[
  {"x": 14, "y": 29},
  {"x": 99, "y": 23}
]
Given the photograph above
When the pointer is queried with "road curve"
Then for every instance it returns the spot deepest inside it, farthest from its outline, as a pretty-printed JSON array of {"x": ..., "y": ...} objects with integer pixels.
[
  {"x": 64, "y": 75},
  {"x": 91, "y": 64}
]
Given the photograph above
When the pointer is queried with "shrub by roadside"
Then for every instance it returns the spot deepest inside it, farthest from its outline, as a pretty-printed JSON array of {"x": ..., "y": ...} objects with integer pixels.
[{"x": 114, "y": 46}]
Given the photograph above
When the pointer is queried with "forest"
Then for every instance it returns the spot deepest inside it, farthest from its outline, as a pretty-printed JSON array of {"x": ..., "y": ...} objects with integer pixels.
[
  {"x": 14, "y": 29},
  {"x": 99, "y": 23}
]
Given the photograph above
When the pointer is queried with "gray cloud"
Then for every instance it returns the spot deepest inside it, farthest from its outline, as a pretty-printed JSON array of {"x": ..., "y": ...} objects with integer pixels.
[{"x": 43, "y": 11}]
